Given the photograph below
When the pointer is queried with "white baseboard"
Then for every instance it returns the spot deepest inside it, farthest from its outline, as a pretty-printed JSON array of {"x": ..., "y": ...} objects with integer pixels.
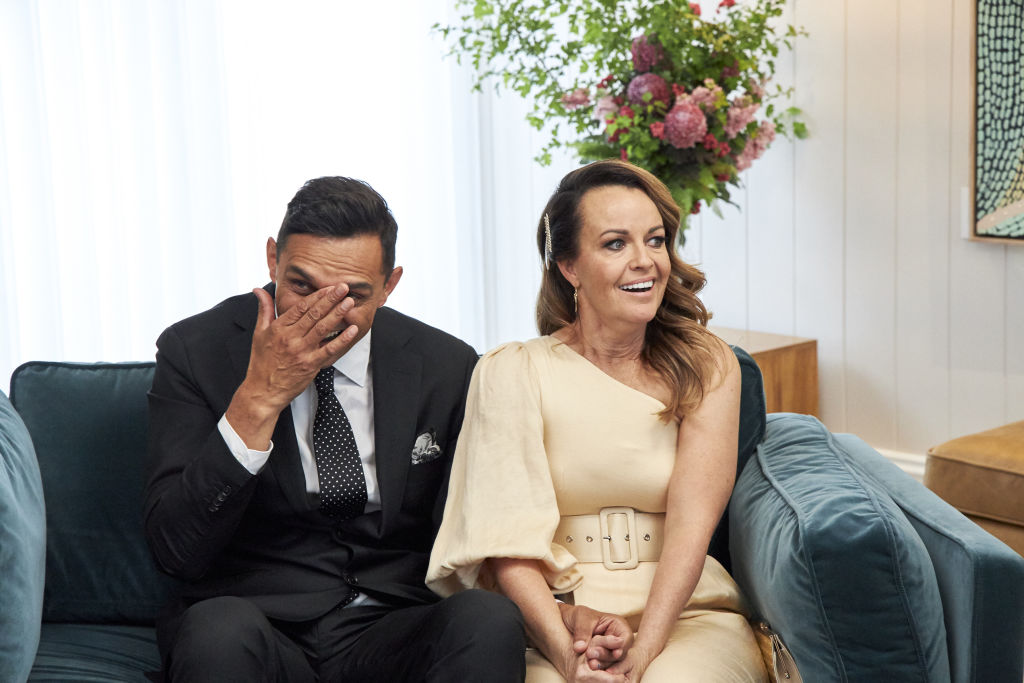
[{"x": 911, "y": 463}]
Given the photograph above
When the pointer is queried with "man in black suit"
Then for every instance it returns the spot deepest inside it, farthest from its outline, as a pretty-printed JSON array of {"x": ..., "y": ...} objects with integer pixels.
[{"x": 302, "y": 525}]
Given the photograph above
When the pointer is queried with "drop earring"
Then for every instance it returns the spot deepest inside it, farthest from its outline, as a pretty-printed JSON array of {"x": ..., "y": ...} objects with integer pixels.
[{"x": 575, "y": 301}]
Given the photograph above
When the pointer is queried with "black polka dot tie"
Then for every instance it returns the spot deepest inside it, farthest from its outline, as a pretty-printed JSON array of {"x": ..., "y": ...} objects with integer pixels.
[{"x": 342, "y": 484}]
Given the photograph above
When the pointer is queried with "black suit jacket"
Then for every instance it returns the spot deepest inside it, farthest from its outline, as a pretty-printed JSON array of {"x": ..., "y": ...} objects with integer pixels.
[{"x": 227, "y": 532}]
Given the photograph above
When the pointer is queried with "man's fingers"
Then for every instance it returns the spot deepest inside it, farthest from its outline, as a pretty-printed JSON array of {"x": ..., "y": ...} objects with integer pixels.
[
  {"x": 321, "y": 304},
  {"x": 265, "y": 312},
  {"x": 333, "y": 320},
  {"x": 339, "y": 345},
  {"x": 297, "y": 311}
]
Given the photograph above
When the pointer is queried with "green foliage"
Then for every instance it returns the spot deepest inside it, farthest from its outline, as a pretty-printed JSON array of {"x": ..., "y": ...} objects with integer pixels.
[{"x": 575, "y": 60}]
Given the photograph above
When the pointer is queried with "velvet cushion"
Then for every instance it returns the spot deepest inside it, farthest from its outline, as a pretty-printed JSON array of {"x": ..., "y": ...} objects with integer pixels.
[
  {"x": 752, "y": 421},
  {"x": 981, "y": 580},
  {"x": 752, "y": 408},
  {"x": 89, "y": 423},
  {"x": 827, "y": 557},
  {"x": 22, "y": 546},
  {"x": 86, "y": 652}
]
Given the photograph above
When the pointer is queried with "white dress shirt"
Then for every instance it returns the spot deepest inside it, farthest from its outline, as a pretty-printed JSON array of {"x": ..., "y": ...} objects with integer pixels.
[{"x": 353, "y": 385}]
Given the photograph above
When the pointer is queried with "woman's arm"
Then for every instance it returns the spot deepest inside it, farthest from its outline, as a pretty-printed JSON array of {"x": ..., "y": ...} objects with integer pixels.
[
  {"x": 702, "y": 480},
  {"x": 522, "y": 581}
]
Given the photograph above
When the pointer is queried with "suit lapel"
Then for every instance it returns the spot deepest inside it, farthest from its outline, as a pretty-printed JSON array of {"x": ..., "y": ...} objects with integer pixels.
[
  {"x": 240, "y": 345},
  {"x": 284, "y": 466},
  {"x": 396, "y": 387}
]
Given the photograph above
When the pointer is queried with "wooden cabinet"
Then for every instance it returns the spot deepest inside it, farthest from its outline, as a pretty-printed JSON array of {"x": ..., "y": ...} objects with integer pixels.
[{"x": 789, "y": 366}]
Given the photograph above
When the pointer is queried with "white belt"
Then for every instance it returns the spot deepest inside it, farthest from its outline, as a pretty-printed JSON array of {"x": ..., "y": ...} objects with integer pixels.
[{"x": 618, "y": 537}]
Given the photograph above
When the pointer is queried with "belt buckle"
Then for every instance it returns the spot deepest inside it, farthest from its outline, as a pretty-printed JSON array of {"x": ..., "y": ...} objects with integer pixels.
[{"x": 619, "y": 545}]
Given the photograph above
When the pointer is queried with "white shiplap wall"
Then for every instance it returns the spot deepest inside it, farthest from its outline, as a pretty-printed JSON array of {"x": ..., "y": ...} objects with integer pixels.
[{"x": 854, "y": 236}]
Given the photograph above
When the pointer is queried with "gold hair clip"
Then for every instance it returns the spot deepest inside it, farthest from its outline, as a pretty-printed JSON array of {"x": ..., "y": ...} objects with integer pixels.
[{"x": 547, "y": 243}]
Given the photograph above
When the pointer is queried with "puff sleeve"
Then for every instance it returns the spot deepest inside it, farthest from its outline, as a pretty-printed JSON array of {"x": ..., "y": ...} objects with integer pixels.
[{"x": 501, "y": 501}]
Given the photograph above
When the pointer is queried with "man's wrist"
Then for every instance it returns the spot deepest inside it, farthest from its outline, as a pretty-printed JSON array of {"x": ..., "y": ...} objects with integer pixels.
[
  {"x": 259, "y": 402},
  {"x": 253, "y": 419}
]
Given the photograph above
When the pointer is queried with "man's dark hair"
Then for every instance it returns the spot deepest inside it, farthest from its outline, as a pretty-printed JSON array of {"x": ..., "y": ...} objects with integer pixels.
[{"x": 334, "y": 206}]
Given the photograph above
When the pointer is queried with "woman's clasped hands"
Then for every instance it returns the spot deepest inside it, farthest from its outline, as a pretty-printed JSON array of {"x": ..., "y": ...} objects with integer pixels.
[{"x": 602, "y": 647}]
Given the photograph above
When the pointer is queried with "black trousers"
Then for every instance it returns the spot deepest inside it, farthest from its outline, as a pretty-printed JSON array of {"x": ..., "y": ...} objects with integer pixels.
[{"x": 471, "y": 636}]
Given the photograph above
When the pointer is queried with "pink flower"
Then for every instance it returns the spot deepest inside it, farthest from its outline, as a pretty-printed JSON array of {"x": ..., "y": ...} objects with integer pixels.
[
  {"x": 658, "y": 130},
  {"x": 705, "y": 96},
  {"x": 731, "y": 71},
  {"x": 575, "y": 99},
  {"x": 746, "y": 157},
  {"x": 685, "y": 125},
  {"x": 695, "y": 8},
  {"x": 726, "y": 3},
  {"x": 756, "y": 145},
  {"x": 740, "y": 114},
  {"x": 756, "y": 89},
  {"x": 645, "y": 54},
  {"x": 627, "y": 111},
  {"x": 606, "y": 81},
  {"x": 648, "y": 83},
  {"x": 604, "y": 107},
  {"x": 696, "y": 208},
  {"x": 623, "y": 155}
]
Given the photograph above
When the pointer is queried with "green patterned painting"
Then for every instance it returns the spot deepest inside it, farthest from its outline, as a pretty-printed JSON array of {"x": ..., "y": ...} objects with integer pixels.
[{"x": 999, "y": 122}]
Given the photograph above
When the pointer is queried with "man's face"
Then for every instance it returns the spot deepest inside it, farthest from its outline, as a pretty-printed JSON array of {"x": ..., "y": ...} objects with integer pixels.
[{"x": 309, "y": 263}]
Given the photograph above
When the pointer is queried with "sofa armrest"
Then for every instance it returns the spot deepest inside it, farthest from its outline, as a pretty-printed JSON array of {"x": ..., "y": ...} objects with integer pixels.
[
  {"x": 825, "y": 556},
  {"x": 980, "y": 579},
  {"x": 22, "y": 546}
]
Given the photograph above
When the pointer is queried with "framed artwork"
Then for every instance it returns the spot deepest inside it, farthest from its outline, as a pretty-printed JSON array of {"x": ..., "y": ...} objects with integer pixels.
[{"x": 998, "y": 154}]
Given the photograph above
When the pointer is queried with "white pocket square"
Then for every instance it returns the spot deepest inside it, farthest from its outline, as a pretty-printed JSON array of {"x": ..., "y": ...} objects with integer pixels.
[{"x": 425, "y": 449}]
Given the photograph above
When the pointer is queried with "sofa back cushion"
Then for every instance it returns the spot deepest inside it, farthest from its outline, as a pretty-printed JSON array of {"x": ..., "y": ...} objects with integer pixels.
[
  {"x": 22, "y": 546},
  {"x": 89, "y": 425},
  {"x": 752, "y": 424},
  {"x": 827, "y": 557}
]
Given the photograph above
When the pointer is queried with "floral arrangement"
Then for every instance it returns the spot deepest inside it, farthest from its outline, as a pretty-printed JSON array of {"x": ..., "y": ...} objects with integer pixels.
[{"x": 688, "y": 98}]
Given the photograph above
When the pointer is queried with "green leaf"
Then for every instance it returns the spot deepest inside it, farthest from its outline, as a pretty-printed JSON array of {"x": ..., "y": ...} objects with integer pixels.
[{"x": 542, "y": 49}]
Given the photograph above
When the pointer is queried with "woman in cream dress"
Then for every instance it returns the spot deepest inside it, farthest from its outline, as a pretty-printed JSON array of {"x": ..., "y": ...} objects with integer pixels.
[{"x": 595, "y": 461}]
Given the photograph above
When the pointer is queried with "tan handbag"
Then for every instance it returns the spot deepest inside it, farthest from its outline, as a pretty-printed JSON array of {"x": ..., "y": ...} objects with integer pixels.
[{"x": 777, "y": 659}]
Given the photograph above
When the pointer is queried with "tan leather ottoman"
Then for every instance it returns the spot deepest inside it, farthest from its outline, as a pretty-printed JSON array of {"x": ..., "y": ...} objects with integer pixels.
[{"x": 982, "y": 475}]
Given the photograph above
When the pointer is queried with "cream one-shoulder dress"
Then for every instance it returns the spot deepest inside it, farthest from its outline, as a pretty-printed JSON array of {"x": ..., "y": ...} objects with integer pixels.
[{"x": 548, "y": 434}]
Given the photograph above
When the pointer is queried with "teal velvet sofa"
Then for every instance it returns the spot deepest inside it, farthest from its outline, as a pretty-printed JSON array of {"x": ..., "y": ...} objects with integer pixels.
[
  {"x": 864, "y": 573},
  {"x": 93, "y": 618}
]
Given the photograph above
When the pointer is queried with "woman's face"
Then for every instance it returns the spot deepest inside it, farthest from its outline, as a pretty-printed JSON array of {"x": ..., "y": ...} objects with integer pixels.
[{"x": 623, "y": 263}]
